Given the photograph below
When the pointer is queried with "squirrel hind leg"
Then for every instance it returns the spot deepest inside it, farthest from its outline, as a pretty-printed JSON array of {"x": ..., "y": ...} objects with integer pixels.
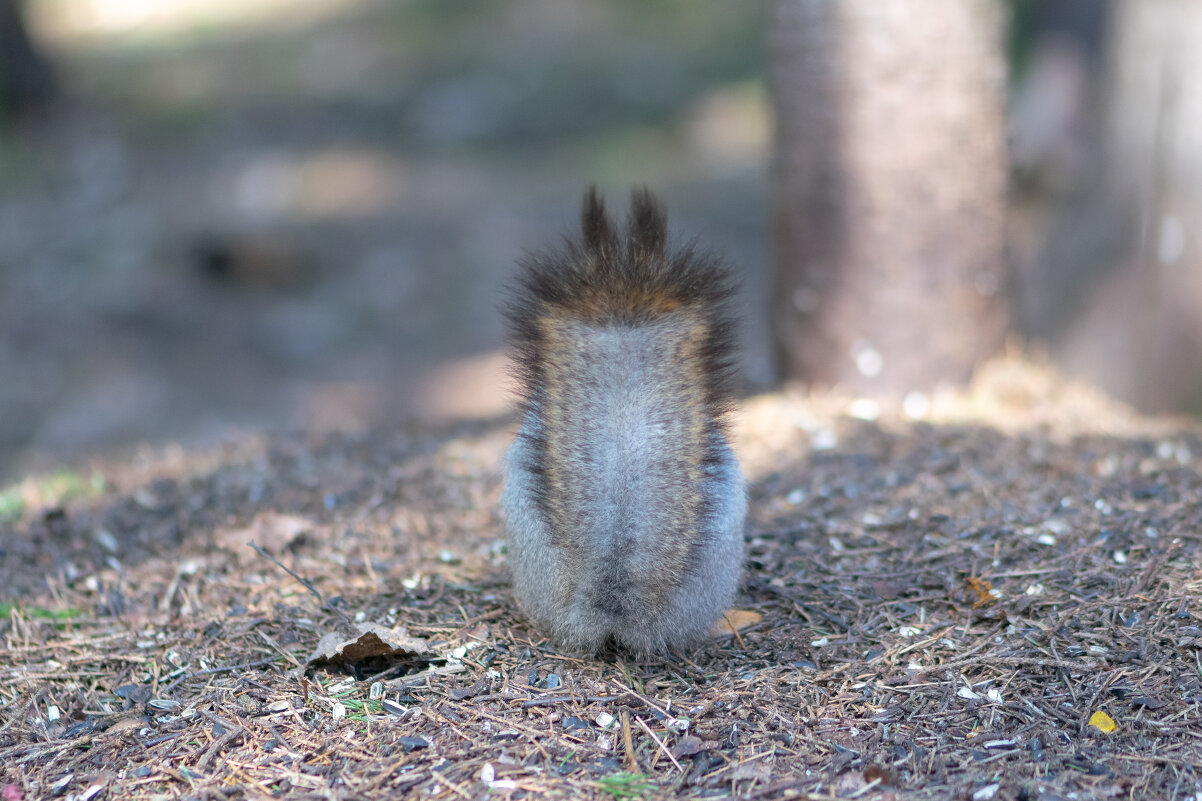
[{"x": 591, "y": 635}]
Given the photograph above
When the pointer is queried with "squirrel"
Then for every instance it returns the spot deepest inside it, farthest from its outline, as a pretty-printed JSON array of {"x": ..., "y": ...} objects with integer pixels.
[{"x": 624, "y": 503}]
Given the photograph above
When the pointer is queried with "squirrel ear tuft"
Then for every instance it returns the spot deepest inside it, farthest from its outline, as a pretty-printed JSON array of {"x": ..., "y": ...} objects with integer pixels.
[
  {"x": 648, "y": 223},
  {"x": 598, "y": 233}
]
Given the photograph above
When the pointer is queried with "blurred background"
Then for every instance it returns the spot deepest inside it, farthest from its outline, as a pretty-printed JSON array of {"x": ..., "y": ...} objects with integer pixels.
[
  {"x": 236, "y": 215},
  {"x": 247, "y": 214}
]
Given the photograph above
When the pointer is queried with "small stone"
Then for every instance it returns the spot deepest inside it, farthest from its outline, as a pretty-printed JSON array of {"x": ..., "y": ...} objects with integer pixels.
[
  {"x": 1148, "y": 703},
  {"x": 107, "y": 541},
  {"x": 687, "y": 746},
  {"x": 986, "y": 792}
]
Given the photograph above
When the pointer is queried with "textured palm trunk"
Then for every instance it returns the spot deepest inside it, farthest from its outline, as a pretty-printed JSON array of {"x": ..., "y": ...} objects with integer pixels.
[{"x": 890, "y": 188}]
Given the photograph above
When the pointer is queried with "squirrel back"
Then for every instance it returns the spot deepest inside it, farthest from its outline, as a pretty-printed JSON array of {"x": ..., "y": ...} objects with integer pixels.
[{"x": 623, "y": 501}]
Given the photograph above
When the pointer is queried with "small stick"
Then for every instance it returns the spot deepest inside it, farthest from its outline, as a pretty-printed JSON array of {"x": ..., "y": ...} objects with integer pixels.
[
  {"x": 164, "y": 738},
  {"x": 218, "y": 745},
  {"x": 469, "y": 621},
  {"x": 632, "y": 764},
  {"x": 563, "y": 699},
  {"x": 658, "y": 742},
  {"x": 308, "y": 585},
  {"x": 280, "y": 739},
  {"x": 456, "y": 789},
  {"x": 866, "y": 788},
  {"x": 25, "y": 712},
  {"x": 640, "y": 698},
  {"x": 735, "y": 631},
  {"x": 211, "y": 671}
]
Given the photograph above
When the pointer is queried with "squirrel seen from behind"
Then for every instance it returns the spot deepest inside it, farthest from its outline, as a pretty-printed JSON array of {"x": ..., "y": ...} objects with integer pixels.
[{"x": 623, "y": 501}]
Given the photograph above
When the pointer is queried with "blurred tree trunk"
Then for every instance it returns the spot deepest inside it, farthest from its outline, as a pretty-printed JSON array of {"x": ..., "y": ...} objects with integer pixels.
[
  {"x": 26, "y": 80},
  {"x": 1055, "y": 139},
  {"x": 1141, "y": 334},
  {"x": 890, "y": 190}
]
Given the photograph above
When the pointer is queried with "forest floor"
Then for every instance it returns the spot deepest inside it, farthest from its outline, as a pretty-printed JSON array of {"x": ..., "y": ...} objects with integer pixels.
[
  {"x": 1002, "y": 600},
  {"x": 299, "y": 222}
]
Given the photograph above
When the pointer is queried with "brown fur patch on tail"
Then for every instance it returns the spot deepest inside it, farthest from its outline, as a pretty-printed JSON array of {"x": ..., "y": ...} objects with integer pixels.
[
  {"x": 623, "y": 277},
  {"x": 598, "y": 235}
]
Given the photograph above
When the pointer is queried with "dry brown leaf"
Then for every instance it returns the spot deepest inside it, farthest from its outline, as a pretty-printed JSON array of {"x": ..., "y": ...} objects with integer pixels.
[
  {"x": 982, "y": 591},
  {"x": 734, "y": 620},
  {"x": 691, "y": 744},
  {"x": 366, "y": 641}
]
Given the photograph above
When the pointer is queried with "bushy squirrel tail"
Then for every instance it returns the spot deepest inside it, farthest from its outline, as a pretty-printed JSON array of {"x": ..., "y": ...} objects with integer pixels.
[
  {"x": 623, "y": 500},
  {"x": 616, "y": 277}
]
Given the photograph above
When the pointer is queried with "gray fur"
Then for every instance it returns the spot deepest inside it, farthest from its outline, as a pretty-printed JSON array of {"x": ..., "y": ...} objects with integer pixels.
[
  {"x": 699, "y": 598},
  {"x": 623, "y": 502}
]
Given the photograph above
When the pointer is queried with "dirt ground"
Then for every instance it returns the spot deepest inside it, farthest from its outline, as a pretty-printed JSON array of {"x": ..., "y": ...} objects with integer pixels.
[{"x": 997, "y": 601}]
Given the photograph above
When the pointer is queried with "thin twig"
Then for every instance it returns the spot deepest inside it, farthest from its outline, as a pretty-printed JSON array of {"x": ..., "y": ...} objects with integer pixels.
[
  {"x": 218, "y": 745},
  {"x": 564, "y": 699},
  {"x": 308, "y": 585},
  {"x": 211, "y": 671},
  {"x": 658, "y": 742},
  {"x": 632, "y": 764},
  {"x": 456, "y": 789}
]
